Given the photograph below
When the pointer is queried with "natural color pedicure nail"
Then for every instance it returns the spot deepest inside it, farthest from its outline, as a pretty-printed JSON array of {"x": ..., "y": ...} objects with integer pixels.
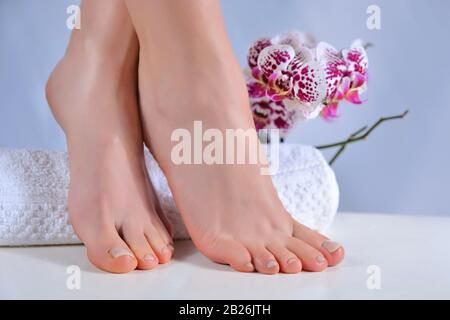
[
  {"x": 249, "y": 266},
  {"x": 271, "y": 264},
  {"x": 167, "y": 250},
  {"x": 330, "y": 246},
  {"x": 119, "y": 252},
  {"x": 320, "y": 259},
  {"x": 292, "y": 261},
  {"x": 149, "y": 257}
]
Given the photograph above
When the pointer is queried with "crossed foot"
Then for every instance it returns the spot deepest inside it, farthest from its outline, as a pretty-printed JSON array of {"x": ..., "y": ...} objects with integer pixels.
[{"x": 232, "y": 212}]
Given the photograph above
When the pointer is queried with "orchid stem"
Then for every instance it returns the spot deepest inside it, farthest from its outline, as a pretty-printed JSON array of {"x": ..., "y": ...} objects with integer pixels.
[
  {"x": 342, "y": 148},
  {"x": 361, "y": 134},
  {"x": 368, "y": 45}
]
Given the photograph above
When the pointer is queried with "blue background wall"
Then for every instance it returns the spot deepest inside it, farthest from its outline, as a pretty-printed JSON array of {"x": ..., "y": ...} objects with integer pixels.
[{"x": 402, "y": 168}]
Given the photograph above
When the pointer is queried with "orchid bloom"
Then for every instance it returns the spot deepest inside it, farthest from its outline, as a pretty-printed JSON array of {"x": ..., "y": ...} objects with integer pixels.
[
  {"x": 292, "y": 77},
  {"x": 269, "y": 114},
  {"x": 346, "y": 75},
  {"x": 284, "y": 69}
]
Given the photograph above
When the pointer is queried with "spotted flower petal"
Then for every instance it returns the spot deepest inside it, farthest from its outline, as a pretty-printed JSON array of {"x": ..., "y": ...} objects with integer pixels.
[
  {"x": 356, "y": 58},
  {"x": 302, "y": 111},
  {"x": 357, "y": 95},
  {"x": 295, "y": 39},
  {"x": 279, "y": 84},
  {"x": 255, "y": 49},
  {"x": 274, "y": 95},
  {"x": 269, "y": 114},
  {"x": 275, "y": 92},
  {"x": 358, "y": 79},
  {"x": 256, "y": 89},
  {"x": 333, "y": 64},
  {"x": 329, "y": 112},
  {"x": 308, "y": 80},
  {"x": 275, "y": 59},
  {"x": 257, "y": 73},
  {"x": 343, "y": 89}
]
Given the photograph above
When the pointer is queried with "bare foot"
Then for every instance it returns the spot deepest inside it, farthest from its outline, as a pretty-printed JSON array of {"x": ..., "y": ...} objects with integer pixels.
[
  {"x": 112, "y": 205},
  {"x": 232, "y": 212}
]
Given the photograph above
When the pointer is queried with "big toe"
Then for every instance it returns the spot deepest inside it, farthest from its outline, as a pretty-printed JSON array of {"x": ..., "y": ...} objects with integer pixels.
[
  {"x": 108, "y": 252},
  {"x": 232, "y": 253}
]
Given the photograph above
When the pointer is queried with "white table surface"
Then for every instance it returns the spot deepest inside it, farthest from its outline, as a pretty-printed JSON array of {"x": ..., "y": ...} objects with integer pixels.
[{"x": 412, "y": 253}]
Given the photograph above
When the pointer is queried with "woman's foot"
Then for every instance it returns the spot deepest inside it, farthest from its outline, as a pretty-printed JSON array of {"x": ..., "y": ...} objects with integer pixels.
[
  {"x": 112, "y": 205},
  {"x": 232, "y": 212}
]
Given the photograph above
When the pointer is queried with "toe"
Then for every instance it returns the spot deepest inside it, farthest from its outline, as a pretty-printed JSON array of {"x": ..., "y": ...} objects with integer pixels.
[
  {"x": 333, "y": 251},
  {"x": 142, "y": 250},
  {"x": 107, "y": 251},
  {"x": 164, "y": 233},
  {"x": 165, "y": 223},
  {"x": 232, "y": 253},
  {"x": 161, "y": 248},
  {"x": 264, "y": 261},
  {"x": 311, "y": 258},
  {"x": 159, "y": 219},
  {"x": 288, "y": 261}
]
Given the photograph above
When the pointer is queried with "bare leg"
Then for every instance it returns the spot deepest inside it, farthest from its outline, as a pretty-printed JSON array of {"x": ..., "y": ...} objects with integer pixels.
[
  {"x": 93, "y": 95},
  {"x": 188, "y": 72}
]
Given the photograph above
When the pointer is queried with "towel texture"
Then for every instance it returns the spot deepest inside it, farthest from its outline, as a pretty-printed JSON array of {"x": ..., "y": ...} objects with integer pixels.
[{"x": 34, "y": 187}]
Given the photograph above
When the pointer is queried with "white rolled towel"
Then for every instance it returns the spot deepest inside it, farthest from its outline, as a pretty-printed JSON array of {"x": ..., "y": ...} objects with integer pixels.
[{"x": 34, "y": 187}]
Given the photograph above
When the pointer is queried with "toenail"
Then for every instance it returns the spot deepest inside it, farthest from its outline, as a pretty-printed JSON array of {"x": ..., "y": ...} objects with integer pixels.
[
  {"x": 320, "y": 259},
  {"x": 120, "y": 252},
  {"x": 249, "y": 266},
  {"x": 271, "y": 264},
  {"x": 166, "y": 250},
  {"x": 149, "y": 257},
  {"x": 292, "y": 261},
  {"x": 331, "y": 246}
]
